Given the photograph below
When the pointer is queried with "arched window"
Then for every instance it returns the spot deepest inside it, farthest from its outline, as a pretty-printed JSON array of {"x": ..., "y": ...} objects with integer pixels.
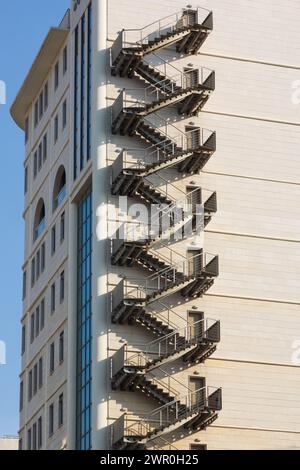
[
  {"x": 59, "y": 191},
  {"x": 39, "y": 220}
]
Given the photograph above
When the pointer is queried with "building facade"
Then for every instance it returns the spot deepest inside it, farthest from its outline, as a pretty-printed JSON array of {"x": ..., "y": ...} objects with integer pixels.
[
  {"x": 160, "y": 277},
  {"x": 9, "y": 443}
]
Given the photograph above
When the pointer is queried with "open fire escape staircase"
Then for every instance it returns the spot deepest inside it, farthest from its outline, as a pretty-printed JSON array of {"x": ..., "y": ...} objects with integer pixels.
[{"x": 170, "y": 272}]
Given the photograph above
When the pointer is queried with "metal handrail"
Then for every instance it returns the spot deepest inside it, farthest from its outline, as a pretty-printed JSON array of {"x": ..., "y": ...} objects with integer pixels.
[
  {"x": 164, "y": 86},
  {"x": 156, "y": 276},
  {"x": 160, "y": 346},
  {"x": 163, "y": 415},
  {"x": 160, "y": 25}
]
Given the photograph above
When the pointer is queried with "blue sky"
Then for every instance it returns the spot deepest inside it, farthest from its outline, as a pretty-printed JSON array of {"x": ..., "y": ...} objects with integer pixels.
[{"x": 23, "y": 25}]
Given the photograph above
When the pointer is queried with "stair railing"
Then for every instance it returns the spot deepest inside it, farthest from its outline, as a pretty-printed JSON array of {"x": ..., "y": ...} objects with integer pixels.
[
  {"x": 142, "y": 36},
  {"x": 191, "y": 334},
  {"x": 141, "y": 289},
  {"x": 162, "y": 417},
  {"x": 150, "y": 94},
  {"x": 142, "y": 159}
]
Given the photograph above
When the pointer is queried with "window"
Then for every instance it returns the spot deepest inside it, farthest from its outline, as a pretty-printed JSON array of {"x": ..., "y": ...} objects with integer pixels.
[
  {"x": 35, "y": 164},
  {"x": 39, "y": 220},
  {"x": 60, "y": 188},
  {"x": 45, "y": 148},
  {"x": 89, "y": 84},
  {"x": 61, "y": 347},
  {"x": 26, "y": 129},
  {"x": 21, "y": 395},
  {"x": 34, "y": 437},
  {"x": 42, "y": 314},
  {"x": 55, "y": 128},
  {"x": 24, "y": 284},
  {"x": 83, "y": 92},
  {"x": 43, "y": 257},
  {"x": 36, "y": 114},
  {"x": 53, "y": 298},
  {"x": 62, "y": 287},
  {"x": 84, "y": 323},
  {"x": 29, "y": 439},
  {"x": 64, "y": 114},
  {"x": 61, "y": 410},
  {"x": 32, "y": 272},
  {"x": 53, "y": 240},
  {"x": 40, "y": 372},
  {"x": 40, "y": 156},
  {"x": 52, "y": 358},
  {"x": 65, "y": 60},
  {"x": 76, "y": 103},
  {"x": 32, "y": 328},
  {"x": 41, "y": 105},
  {"x": 23, "y": 339},
  {"x": 37, "y": 321},
  {"x": 62, "y": 227},
  {"x": 40, "y": 433},
  {"x": 30, "y": 385},
  {"x": 37, "y": 264},
  {"x": 56, "y": 76},
  {"x": 20, "y": 444},
  {"x": 51, "y": 420},
  {"x": 35, "y": 379},
  {"x": 25, "y": 180},
  {"x": 46, "y": 96}
]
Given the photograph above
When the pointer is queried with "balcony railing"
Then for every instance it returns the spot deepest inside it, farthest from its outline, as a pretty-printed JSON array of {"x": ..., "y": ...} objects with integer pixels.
[
  {"x": 39, "y": 229},
  {"x": 59, "y": 198}
]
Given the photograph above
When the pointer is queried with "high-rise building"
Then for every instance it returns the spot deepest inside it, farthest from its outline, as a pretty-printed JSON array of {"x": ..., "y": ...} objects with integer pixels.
[{"x": 161, "y": 280}]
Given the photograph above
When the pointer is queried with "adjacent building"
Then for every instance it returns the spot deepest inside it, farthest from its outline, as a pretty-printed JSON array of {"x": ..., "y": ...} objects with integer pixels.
[
  {"x": 161, "y": 180},
  {"x": 9, "y": 443}
]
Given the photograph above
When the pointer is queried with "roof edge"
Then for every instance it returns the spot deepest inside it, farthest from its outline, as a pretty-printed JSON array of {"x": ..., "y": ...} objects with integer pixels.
[{"x": 37, "y": 74}]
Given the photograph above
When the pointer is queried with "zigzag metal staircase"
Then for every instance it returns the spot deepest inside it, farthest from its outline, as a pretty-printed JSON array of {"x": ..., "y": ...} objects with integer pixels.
[{"x": 142, "y": 246}]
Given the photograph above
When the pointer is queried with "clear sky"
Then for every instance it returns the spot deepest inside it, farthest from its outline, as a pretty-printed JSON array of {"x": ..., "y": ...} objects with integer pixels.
[{"x": 23, "y": 26}]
